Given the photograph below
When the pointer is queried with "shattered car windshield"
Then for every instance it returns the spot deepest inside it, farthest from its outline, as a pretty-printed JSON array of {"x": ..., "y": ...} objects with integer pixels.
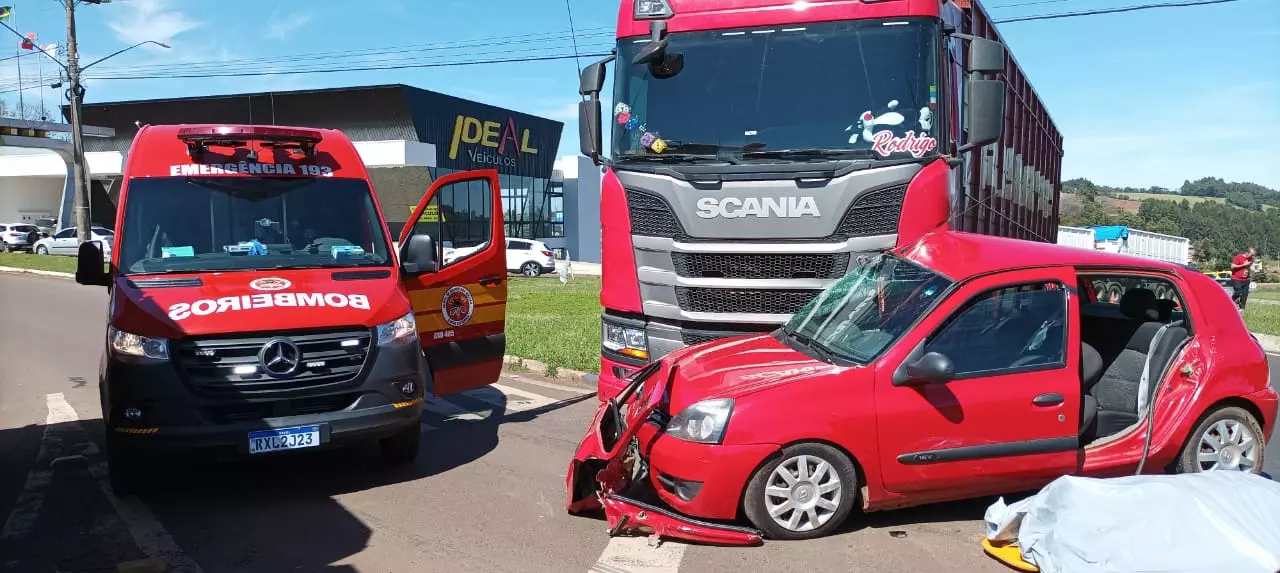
[
  {"x": 189, "y": 224},
  {"x": 818, "y": 91},
  {"x": 862, "y": 314}
]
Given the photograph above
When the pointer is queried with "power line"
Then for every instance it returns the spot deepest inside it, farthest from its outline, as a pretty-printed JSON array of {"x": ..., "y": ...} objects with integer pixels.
[
  {"x": 573, "y": 35},
  {"x": 359, "y": 68},
  {"x": 1036, "y": 3},
  {"x": 1111, "y": 11}
]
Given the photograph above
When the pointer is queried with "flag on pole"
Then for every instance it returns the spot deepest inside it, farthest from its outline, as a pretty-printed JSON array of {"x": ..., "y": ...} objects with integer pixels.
[
  {"x": 51, "y": 50},
  {"x": 29, "y": 42},
  {"x": 5, "y": 13}
]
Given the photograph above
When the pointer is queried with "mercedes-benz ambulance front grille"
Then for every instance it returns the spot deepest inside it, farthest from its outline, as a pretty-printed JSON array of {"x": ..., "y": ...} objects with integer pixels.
[
  {"x": 228, "y": 366},
  {"x": 749, "y": 301},
  {"x": 781, "y": 266}
]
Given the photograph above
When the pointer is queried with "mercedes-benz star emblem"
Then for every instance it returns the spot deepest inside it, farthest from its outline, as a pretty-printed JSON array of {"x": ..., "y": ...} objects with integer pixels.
[{"x": 280, "y": 357}]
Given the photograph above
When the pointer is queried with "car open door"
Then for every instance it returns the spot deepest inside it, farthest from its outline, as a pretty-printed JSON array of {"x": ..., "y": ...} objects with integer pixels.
[{"x": 461, "y": 304}]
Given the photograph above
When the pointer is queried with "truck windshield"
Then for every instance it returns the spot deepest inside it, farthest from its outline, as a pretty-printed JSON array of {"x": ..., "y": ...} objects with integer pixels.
[
  {"x": 855, "y": 89},
  {"x": 190, "y": 224},
  {"x": 862, "y": 314}
]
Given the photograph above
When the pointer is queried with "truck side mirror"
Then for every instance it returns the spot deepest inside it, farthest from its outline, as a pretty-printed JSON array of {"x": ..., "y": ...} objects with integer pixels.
[
  {"x": 418, "y": 255},
  {"x": 589, "y": 123},
  {"x": 985, "y": 56},
  {"x": 89, "y": 265},
  {"x": 986, "y": 112}
]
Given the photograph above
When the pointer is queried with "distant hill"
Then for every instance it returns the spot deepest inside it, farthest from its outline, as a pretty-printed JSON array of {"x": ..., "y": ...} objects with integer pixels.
[{"x": 1221, "y": 218}]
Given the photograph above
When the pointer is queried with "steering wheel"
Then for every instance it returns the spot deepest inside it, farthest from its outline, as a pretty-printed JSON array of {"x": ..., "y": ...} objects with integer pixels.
[{"x": 1031, "y": 350}]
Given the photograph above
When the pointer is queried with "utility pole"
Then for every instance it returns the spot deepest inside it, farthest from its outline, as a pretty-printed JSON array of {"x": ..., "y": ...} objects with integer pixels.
[{"x": 75, "y": 92}]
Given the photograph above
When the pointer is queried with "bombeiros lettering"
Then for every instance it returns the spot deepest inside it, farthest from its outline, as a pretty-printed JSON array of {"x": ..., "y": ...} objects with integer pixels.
[
  {"x": 249, "y": 168},
  {"x": 508, "y": 141},
  {"x": 762, "y": 207},
  {"x": 208, "y": 306}
]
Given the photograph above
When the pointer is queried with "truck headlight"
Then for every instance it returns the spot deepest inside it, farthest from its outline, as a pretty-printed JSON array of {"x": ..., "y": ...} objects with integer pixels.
[
  {"x": 703, "y": 422},
  {"x": 625, "y": 340},
  {"x": 399, "y": 331},
  {"x": 137, "y": 345}
]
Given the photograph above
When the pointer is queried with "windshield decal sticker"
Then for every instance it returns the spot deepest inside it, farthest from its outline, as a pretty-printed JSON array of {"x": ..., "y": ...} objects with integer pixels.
[
  {"x": 269, "y": 284},
  {"x": 208, "y": 306},
  {"x": 187, "y": 251},
  {"x": 457, "y": 306},
  {"x": 249, "y": 168},
  {"x": 887, "y": 144},
  {"x": 933, "y": 97},
  {"x": 926, "y": 119},
  {"x": 868, "y": 121}
]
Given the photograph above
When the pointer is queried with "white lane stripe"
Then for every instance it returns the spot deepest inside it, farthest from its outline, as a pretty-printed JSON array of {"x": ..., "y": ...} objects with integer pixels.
[
  {"x": 570, "y": 389},
  {"x": 634, "y": 555},
  {"x": 529, "y": 400},
  {"x": 448, "y": 409},
  {"x": 147, "y": 532},
  {"x": 27, "y": 508}
]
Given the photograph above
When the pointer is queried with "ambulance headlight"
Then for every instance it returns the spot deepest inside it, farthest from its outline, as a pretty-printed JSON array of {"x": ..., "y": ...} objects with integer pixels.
[
  {"x": 136, "y": 346},
  {"x": 402, "y": 330}
]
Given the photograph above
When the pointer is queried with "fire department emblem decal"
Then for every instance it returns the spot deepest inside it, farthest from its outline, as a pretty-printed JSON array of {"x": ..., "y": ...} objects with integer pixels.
[
  {"x": 457, "y": 306},
  {"x": 269, "y": 284}
]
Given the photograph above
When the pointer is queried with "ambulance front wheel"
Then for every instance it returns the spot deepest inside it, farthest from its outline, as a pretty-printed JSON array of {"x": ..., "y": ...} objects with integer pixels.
[
  {"x": 125, "y": 468},
  {"x": 402, "y": 448}
]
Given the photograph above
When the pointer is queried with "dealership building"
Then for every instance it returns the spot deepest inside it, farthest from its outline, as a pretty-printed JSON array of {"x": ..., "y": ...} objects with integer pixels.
[{"x": 406, "y": 136}]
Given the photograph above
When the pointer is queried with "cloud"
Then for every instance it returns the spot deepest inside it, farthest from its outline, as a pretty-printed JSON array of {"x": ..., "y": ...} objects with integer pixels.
[
  {"x": 563, "y": 112},
  {"x": 142, "y": 20},
  {"x": 284, "y": 25}
]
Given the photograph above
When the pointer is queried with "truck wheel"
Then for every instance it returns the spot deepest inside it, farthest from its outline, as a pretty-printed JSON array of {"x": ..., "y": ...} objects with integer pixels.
[
  {"x": 402, "y": 448},
  {"x": 805, "y": 492},
  {"x": 125, "y": 469},
  {"x": 1227, "y": 439}
]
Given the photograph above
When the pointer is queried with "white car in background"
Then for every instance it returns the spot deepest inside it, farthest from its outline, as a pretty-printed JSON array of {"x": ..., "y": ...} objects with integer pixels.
[
  {"x": 529, "y": 258},
  {"x": 65, "y": 242},
  {"x": 14, "y": 236}
]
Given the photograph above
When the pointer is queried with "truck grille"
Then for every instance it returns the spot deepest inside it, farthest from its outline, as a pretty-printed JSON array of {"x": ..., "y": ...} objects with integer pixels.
[
  {"x": 651, "y": 216},
  {"x": 872, "y": 213},
  {"x": 327, "y": 359},
  {"x": 755, "y": 301},
  {"x": 708, "y": 265}
]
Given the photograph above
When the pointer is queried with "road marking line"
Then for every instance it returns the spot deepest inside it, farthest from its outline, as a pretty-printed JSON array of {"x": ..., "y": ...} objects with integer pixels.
[
  {"x": 147, "y": 532},
  {"x": 552, "y": 386},
  {"x": 634, "y": 555},
  {"x": 448, "y": 409},
  {"x": 27, "y": 508},
  {"x": 530, "y": 400}
]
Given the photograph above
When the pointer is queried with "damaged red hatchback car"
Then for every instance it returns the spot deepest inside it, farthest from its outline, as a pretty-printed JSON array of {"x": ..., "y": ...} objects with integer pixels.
[{"x": 956, "y": 367}]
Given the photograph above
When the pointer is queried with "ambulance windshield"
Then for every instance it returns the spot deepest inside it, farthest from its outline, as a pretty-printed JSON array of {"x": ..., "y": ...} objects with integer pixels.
[{"x": 191, "y": 224}]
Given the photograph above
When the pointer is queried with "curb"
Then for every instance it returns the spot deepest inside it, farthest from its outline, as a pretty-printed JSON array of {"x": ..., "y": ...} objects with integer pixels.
[
  {"x": 1270, "y": 343},
  {"x": 37, "y": 272},
  {"x": 517, "y": 364}
]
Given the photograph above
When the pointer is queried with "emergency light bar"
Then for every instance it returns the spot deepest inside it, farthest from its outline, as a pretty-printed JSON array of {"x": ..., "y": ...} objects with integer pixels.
[
  {"x": 197, "y": 138},
  {"x": 652, "y": 10}
]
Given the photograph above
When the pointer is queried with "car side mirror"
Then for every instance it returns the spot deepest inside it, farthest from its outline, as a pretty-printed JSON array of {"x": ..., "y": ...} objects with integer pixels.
[
  {"x": 89, "y": 265},
  {"x": 418, "y": 255},
  {"x": 931, "y": 368}
]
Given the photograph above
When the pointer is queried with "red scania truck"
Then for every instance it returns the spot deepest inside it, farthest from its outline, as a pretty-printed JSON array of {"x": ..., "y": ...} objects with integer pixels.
[{"x": 761, "y": 148}]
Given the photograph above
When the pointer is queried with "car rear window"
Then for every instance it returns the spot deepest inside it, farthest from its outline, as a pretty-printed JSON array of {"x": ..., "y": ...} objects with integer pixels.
[{"x": 24, "y": 228}]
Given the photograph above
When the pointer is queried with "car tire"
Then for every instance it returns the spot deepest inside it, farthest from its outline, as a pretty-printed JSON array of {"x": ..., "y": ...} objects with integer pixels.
[
  {"x": 402, "y": 448},
  {"x": 1237, "y": 422},
  {"x": 41, "y": 250},
  {"x": 125, "y": 469},
  {"x": 531, "y": 269},
  {"x": 766, "y": 490}
]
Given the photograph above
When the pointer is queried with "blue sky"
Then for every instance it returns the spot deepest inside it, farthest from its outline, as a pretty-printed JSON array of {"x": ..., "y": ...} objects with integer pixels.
[{"x": 1144, "y": 98}]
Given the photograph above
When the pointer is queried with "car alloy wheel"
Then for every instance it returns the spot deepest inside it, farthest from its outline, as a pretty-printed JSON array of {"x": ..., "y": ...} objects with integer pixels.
[
  {"x": 531, "y": 269},
  {"x": 807, "y": 491},
  {"x": 41, "y": 250},
  {"x": 1228, "y": 439}
]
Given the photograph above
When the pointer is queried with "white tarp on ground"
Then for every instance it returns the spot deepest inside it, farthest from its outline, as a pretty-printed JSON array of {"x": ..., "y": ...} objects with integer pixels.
[{"x": 1218, "y": 521}]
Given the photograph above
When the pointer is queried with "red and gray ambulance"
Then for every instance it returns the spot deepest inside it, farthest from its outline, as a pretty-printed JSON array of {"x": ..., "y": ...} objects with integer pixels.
[{"x": 257, "y": 304}]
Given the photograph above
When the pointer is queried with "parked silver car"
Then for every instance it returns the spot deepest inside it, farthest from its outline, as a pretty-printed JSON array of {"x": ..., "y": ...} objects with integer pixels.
[{"x": 17, "y": 236}]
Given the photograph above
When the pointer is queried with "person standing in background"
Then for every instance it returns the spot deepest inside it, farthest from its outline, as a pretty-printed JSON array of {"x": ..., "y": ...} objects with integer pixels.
[{"x": 1240, "y": 277}]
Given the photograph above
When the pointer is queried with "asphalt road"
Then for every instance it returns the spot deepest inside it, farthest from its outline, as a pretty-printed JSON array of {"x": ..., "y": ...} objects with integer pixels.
[{"x": 486, "y": 495}]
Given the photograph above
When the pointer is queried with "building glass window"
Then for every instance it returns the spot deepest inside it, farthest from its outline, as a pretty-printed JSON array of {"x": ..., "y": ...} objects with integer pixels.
[{"x": 532, "y": 207}]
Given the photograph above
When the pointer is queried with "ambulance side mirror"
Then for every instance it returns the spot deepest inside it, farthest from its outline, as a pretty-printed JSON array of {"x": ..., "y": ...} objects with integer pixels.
[
  {"x": 418, "y": 255},
  {"x": 90, "y": 265}
]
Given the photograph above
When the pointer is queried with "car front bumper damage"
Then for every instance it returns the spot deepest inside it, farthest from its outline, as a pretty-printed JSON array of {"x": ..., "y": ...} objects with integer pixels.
[{"x": 607, "y": 473}]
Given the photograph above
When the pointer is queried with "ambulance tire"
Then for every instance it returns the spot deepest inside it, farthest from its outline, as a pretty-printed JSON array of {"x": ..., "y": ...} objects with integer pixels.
[
  {"x": 125, "y": 469},
  {"x": 402, "y": 448}
]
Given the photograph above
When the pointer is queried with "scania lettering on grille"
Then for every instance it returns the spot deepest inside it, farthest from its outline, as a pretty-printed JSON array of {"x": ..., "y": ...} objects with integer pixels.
[
  {"x": 208, "y": 306},
  {"x": 763, "y": 207}
]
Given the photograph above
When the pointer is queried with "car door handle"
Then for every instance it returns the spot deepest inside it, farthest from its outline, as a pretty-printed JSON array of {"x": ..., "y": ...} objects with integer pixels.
[
  {"x": 490, "y": 281},
  {"x": 1052, "y": 399}
]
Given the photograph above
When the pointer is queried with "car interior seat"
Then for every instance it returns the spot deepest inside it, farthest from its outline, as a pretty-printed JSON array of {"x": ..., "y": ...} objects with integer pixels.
[
  {"x": 1090, "y": 372},
  {"x": 1117, "y": 390}
]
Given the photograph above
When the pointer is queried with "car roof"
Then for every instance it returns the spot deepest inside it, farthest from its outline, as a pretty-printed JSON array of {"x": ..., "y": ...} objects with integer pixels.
[{"x": 961, "y": 255}]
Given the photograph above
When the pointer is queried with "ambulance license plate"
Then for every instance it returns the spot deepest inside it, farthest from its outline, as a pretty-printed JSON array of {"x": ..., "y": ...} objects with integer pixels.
[{"x": 284, "y": 439}]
